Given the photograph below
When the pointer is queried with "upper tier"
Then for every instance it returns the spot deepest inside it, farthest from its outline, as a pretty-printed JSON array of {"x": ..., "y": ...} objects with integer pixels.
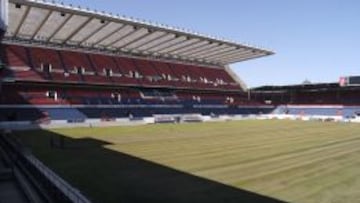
[{"x": 62, "y": 66}]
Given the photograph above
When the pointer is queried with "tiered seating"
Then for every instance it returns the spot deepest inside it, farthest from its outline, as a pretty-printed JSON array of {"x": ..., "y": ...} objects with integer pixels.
[
  {"x": 104, "y": 97},
  {"x": 315, "y": 98},
  {"x": 75, "y": 61},
  {"x": 150, "y": 75},
  {"x": 204, "y": 80},
  {"x": 201, "y": 98},
  {"x": 350, "y": 97},
  {"x": 155, "y": 96},
  {"x": 310, "y": 111},
  {"x": 48, "y": 57},
  {"x": 11, "y": 97},
  {"x": 186, "y": 76},
  {"x": 215, "y": 78},
  {"x": 243, "y": 100},
  {"x": 122, "y": 96},
  {"x": 30, "y": 95},
  {"x": 43, "y": 64},
  {"x": 216, "y": 98},
  {"x": 130, "y": 74},
  {"x": 170, "y": 78},
  {"x": 40, "y": 98},
  {"x": 133, "y": 97},
  {"x": 103, "y": 63},
  {"x": 82, "y": 103},
  {"x": 16, "y": 58},
  {"x": 23, "y": 114},
  {"x": 78, "y": 96},
  {"x": 204, "y": 77},
  {"x": 222, "y": 78}
]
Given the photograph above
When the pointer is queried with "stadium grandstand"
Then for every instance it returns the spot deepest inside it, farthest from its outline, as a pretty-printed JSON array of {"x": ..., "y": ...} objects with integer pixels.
[
  {"x": 73, "y": 64},
  {"x": 61, "y": 65},
  {"x": 65, "y": 66},
  {"x": 320, "y": 99}
]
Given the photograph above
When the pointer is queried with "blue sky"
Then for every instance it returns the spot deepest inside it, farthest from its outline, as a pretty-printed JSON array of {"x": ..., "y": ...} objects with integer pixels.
[{"x": 317, "y": 40}]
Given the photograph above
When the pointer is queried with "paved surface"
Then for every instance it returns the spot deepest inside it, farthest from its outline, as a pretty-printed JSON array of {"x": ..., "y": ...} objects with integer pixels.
[{"x": 10, "y": 192}]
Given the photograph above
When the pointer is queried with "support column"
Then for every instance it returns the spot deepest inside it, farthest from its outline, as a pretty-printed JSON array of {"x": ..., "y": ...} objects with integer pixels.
[{"x": 4, "y": 7}]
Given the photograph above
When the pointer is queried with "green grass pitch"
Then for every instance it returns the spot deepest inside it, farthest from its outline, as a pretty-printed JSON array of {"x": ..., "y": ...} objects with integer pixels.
[{"x": 288, "y": 160}]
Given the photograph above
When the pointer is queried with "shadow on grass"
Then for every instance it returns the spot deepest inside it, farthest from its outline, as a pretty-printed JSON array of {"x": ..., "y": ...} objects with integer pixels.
[{"x": 105, "y": 175}]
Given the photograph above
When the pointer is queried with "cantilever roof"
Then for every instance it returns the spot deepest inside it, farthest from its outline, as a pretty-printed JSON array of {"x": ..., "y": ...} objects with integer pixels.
[{"x": 51, "y": 23}]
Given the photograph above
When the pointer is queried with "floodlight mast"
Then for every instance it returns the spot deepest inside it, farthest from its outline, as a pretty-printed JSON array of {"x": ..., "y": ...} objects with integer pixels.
[{"x": 4, "y": 16}]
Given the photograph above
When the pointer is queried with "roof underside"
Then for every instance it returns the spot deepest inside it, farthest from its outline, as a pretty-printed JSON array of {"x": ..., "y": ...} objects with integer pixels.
[{"x": 54, "y": 24}]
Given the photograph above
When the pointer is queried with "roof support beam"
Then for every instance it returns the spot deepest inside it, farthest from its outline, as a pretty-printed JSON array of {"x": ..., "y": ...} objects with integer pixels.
[
  {"x": 23, "y": 18},
  {"x": 60, "y": 27},
  {"x": 134, "y": 40},
  {"x": 218, "y": 52},
  {"x": 93, "y": 33},
  {"x": 41, "y": 24},
  {"x": 199, "y": 49},
  {"x": 108, "y": 35},
  {"x": 239, "y": 56},
  {"x": 191, "y": 46},
  {"x": 150, "y": 41},
  {"x": 158, "y": 42},
  {"x": 123, "y": 37},
  {"x": 235, "y": 54},
  {"x": 185, "y": 45},
  {"x": 179, "y": 45},
  {"x": 77, "y": 30},
  {"x": 233, "y": 51},
  {"x": 236, "y": 57},
  {"x": 171, "y": 42},
  {"x": 244, "y": 58},
  {"x": 128, "y": 43},
  {"x": 195, "y": 46},
  {"x": 212, "y": 50}
]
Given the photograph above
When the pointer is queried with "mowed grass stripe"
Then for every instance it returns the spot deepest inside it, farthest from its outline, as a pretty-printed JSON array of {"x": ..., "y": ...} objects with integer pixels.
[
  {"x": 260, "y": 168},
  {"x": 150, "y": 148},
  {"x": 320, "y": 184},
  {"x": 215, "y": 146},
  {"x": 235, "y": 152},
  {"x": 239, "y": 156},
  {"x": 315, "y": 172},
  {"x": 276, "y": 183},
  {"x": 345, "y": 190}
]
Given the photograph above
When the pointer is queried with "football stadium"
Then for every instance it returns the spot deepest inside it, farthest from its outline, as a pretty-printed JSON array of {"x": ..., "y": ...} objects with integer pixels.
[{"x": 96, "y": 107}]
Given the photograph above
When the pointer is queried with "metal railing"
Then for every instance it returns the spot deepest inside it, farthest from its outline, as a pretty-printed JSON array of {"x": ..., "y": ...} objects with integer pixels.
[
  {"x": 26, "y": 158},
  {"x": 66, "y": 189}
]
